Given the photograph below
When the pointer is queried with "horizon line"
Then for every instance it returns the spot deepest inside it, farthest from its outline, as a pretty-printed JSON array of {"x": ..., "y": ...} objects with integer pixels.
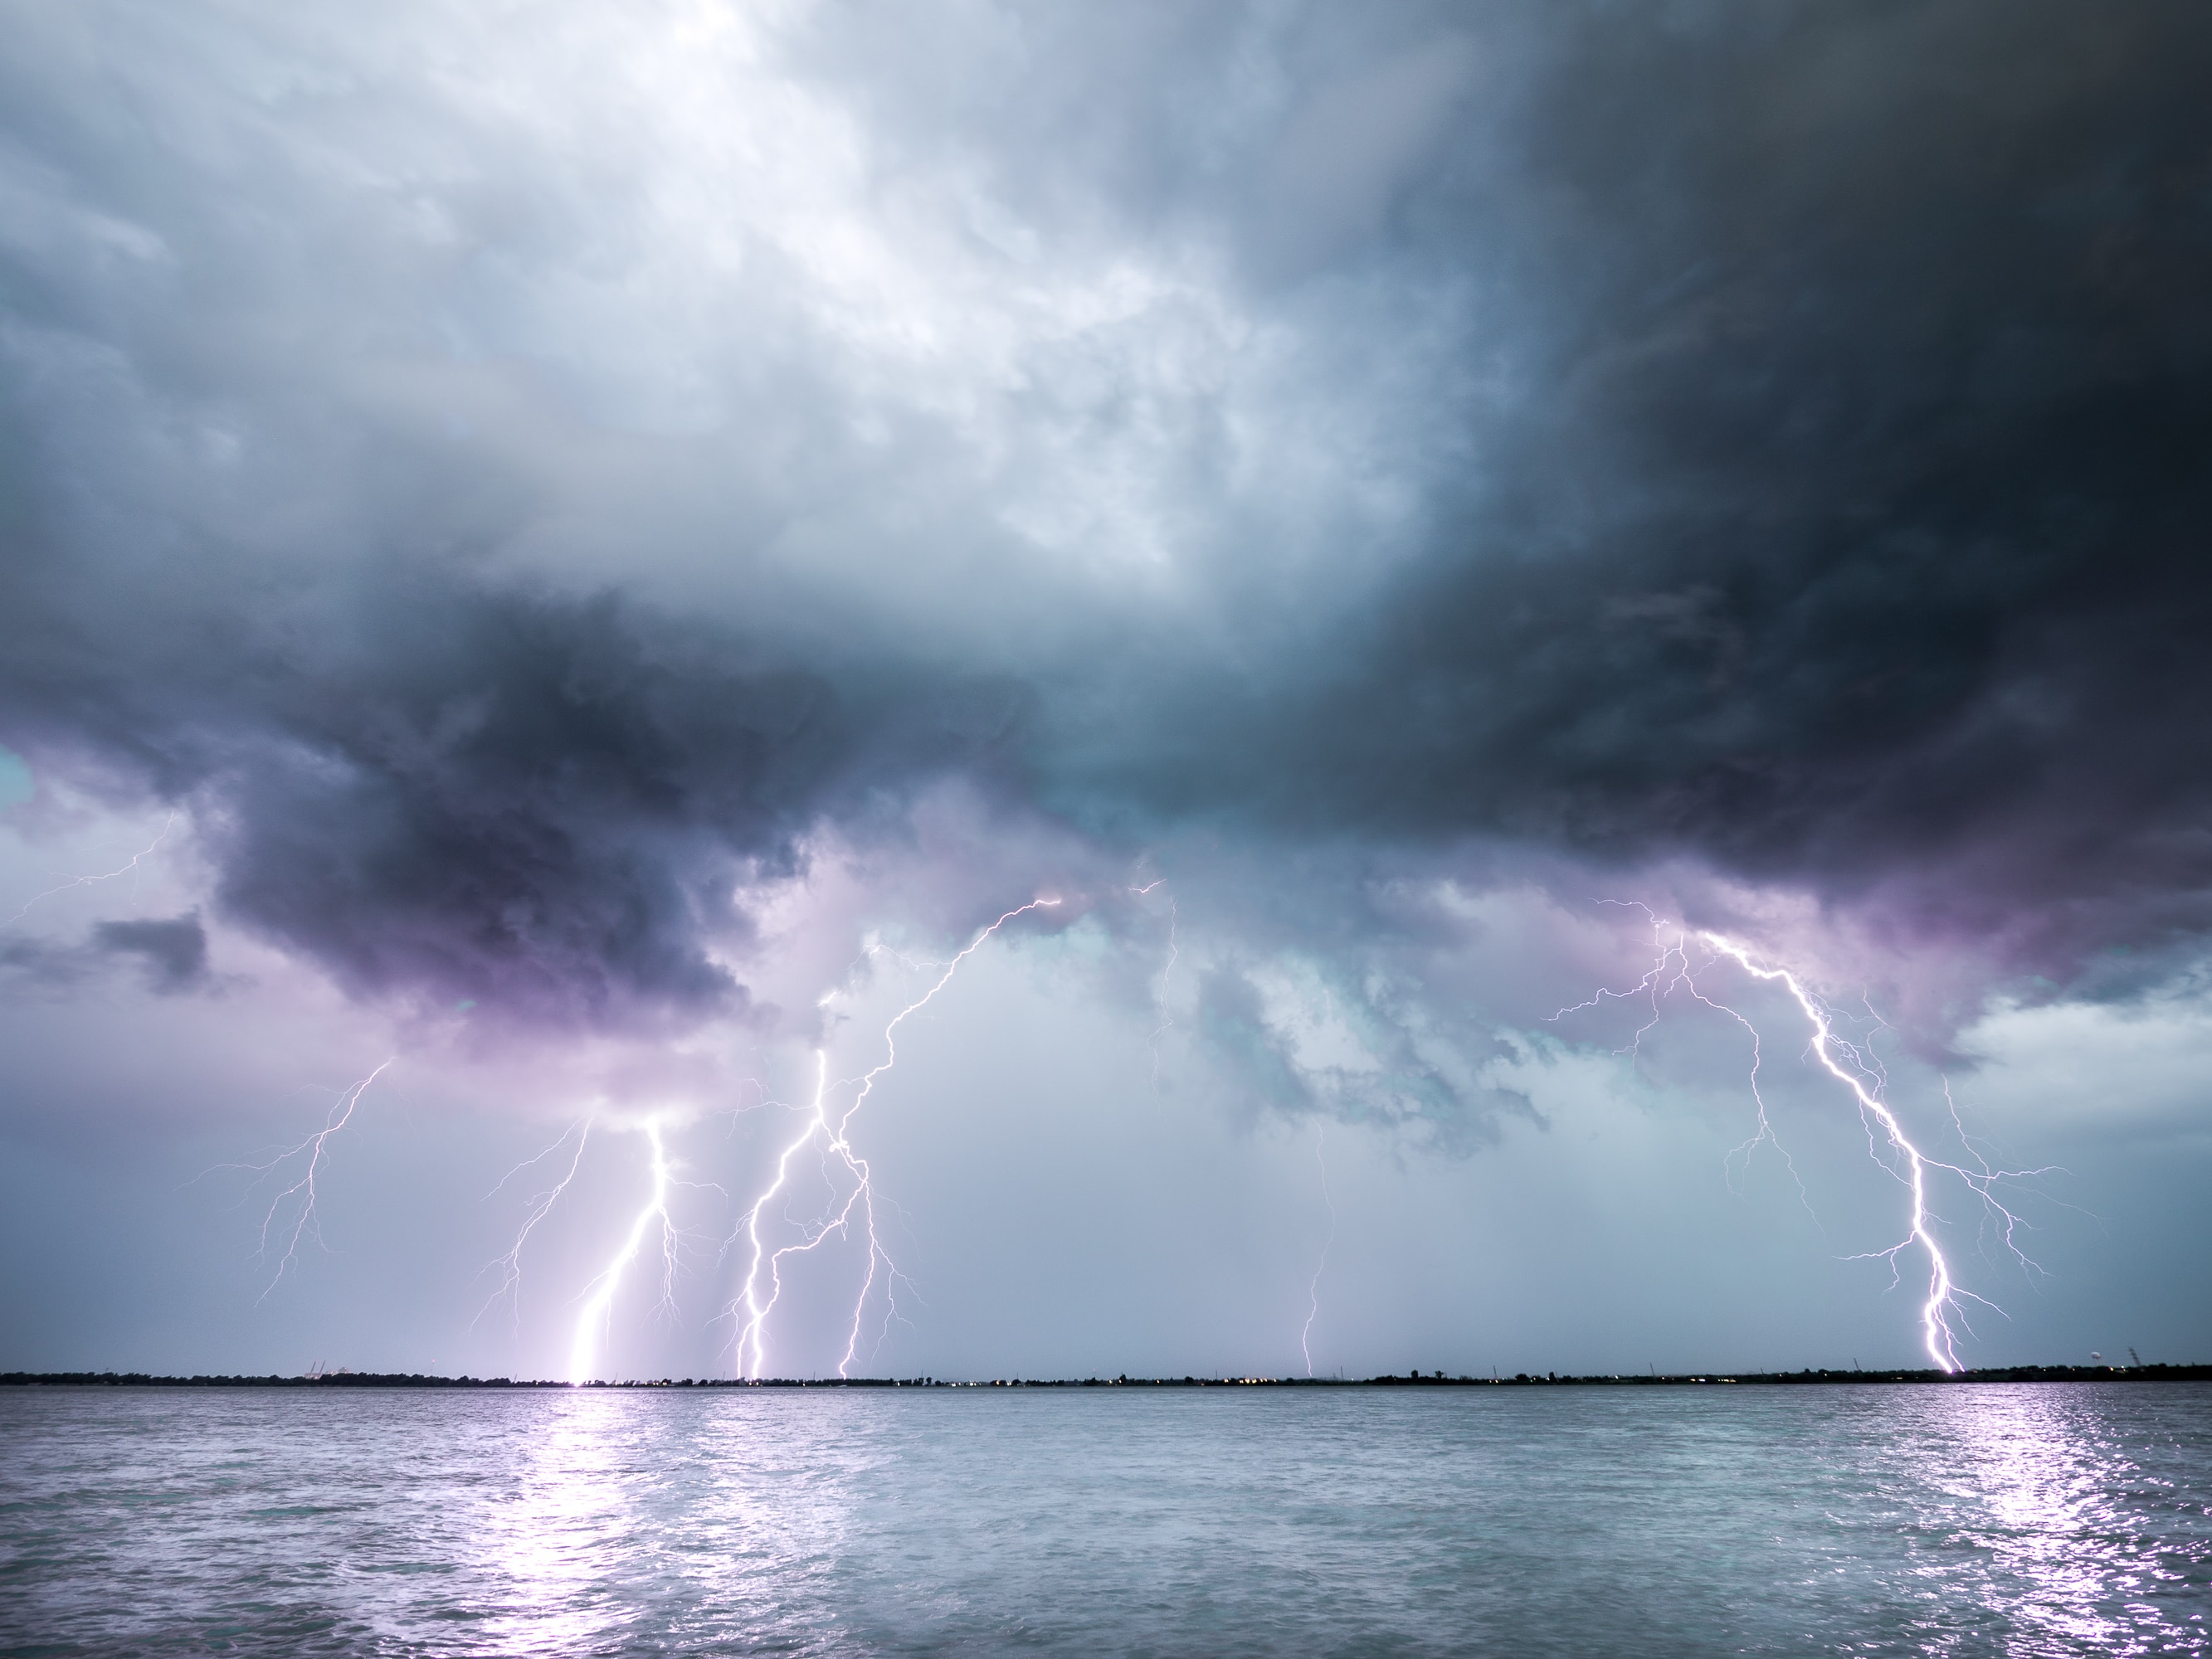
[{"x": 343, "y": 1378}]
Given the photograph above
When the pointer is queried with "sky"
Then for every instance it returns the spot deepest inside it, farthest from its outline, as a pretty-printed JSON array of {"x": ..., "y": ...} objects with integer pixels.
[{"x": 564, "y": 563}]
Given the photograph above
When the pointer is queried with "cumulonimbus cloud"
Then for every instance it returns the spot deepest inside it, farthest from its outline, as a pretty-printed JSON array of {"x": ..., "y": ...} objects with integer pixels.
[{"x": 515, "y": 519}]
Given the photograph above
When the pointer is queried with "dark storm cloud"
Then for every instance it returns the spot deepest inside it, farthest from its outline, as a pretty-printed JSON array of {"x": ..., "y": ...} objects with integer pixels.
[
  {"x": 1850, "y": 527},
  {"x": 538, "y": 806},
  {"x": 1788, "y": 425},
  {"x": 174, "y": 951},
  {"x": 171, "y": 953},
  {"x": 528, "y": 807}
]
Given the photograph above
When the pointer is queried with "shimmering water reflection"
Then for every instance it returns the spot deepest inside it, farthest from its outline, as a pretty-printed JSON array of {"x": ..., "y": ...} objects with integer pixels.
[{"x": 2022, "y": 1520}]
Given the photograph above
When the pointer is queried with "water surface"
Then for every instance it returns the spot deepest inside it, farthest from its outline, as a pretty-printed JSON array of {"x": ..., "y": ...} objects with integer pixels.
[{"x": 1957, "y": 1520}]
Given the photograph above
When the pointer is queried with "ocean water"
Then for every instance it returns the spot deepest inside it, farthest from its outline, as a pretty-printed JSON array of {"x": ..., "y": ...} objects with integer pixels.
[{"x": 1964, "y": 1520}]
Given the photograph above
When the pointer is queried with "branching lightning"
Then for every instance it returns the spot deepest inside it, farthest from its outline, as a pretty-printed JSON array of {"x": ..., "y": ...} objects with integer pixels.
[
  {"x": 509, "y": 1267},
  {"x": 292, "y": 1214},
  {"x": 599, "y": 1291},
  {"x": 292, "y": 1217},
  {"x": 302, "y": 1193},
  {"x": 1860, "y": 1070},
  {"x": 592, "y": 1319},
  {"x": 146, "y": 851},
  {"x": 757, "y": 1301}
]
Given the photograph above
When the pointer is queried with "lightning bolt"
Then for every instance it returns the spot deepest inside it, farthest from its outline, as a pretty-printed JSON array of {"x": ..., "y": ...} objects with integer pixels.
[
  {"x": 1167, "y": 1019},
  {"x": 147, "y": 852},
  {"x": 1672, "y": 971},
  {"x": 755, "y": 1302},
  {"x": 1313, "y": 1290},
  {"x": 1861, "y": 1072},
  {"x": 592, "y": 1320},
  {"x": 509, "y": 1267},
  {"x": 751, "y": 1355},
  {"x": 304, "y": 1218}
]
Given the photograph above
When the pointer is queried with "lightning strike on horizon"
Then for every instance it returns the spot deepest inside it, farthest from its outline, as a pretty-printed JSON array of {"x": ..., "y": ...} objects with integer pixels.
[
  {"x": 147, "y": 852},
  {"x": 1867, "y": 1079},
  {"x": 752, "y": 1338},
  {"x": 1313, "y": 1290},
  {"x": 597, "y": 1313},
  {"x": 305, "y": 1219}
]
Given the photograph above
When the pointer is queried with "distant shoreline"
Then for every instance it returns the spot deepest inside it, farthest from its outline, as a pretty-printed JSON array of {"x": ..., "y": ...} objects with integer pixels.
[{"x": 2198, "y": 1373}]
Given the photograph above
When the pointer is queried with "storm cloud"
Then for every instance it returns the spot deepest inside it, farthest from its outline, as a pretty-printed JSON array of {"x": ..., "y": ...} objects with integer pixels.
[
  {"x": 174, "y": 951},
  {"x": 516, "y": 482},
  {"x": 565, "y": 559},
  {"x": 1843, "y": 525}
]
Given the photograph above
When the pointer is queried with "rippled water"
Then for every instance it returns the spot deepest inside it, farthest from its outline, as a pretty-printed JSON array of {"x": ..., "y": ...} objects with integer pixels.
[{"x": 1859, "y": 1520}]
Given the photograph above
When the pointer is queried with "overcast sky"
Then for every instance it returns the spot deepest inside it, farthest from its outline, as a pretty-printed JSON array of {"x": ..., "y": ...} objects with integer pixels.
[{"x": 584, "y": 552}]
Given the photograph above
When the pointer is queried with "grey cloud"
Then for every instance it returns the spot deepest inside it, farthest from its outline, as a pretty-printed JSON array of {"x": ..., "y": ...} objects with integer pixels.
[
  {"x": 1392, "y": 1068},
  {"x": 541, "y": 807},
  {"x": 1768, "y": 438},
  {"x": 171, "y": 951},
  {"x": 174, "y": 951},
  {"x": 1845, "y": 528},
  {"x": 44, "y": 964}
]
